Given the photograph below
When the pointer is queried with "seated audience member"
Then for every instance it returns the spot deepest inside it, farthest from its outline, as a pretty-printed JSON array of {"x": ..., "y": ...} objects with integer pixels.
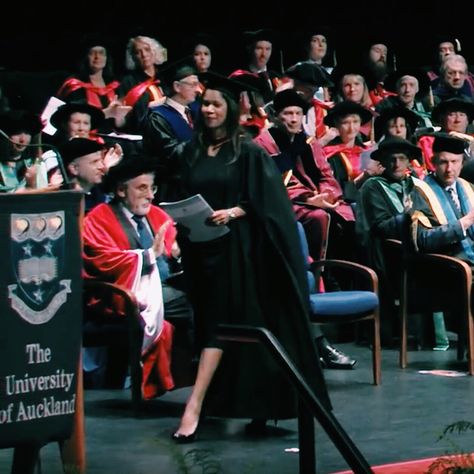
[
  {"x": 413, "y": 92},
  {"x": 253, "y": 117},
  {"x": 381, "y": 199},
  {"x": 77, "y": 120},
  {"x": 454, "y": 116},
  {"x": 125, "y": 242},
  {"x": 202, "y": 47},
  {"x": 447, "y": 225},
  {"x": 443, "y": 218},
  {"x": 376, "y": 61},
  {"x": 140, "y": 87},
  {"x": 308, "y": 78},
  {"x": 19, "y": 169},
  {"x": 314, "y": 192},
  {"x": 95, "y": 82},
  {"x": 344, "y": 152},
  {"x": 172, "y": 122},
  {"x": 443, "y": 46},
  {"x": 399, "y": 122},
  {"x": 259, "y": 46},
  {"x": 353, "y": 84},
  {"x": 453, "y": 81},
  {"x": 85, "y": 167},
  {"x": 317, "y": 49}
]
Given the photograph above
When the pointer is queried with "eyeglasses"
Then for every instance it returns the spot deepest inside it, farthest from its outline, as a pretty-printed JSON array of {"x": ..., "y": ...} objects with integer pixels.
[
  {"x": 144, "y": 189},
  {"x": 190, "y": 84}
]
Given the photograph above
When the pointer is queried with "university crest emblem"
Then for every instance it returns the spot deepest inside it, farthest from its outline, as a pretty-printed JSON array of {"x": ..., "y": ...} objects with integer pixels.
[{"x": 37, "y": 252}]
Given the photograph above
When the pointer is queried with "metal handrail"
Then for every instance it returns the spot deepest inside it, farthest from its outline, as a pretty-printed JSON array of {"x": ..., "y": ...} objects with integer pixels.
[{"x": 309, "y": 407}]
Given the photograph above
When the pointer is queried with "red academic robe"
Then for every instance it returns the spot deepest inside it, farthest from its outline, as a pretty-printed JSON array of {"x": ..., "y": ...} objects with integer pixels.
[
  {"x": 315, "y": 220},
  {"x": 107, "y": 256}
]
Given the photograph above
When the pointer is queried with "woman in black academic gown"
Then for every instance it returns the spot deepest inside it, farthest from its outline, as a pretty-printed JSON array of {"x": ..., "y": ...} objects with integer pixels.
[{"x": 253, "y": 275}]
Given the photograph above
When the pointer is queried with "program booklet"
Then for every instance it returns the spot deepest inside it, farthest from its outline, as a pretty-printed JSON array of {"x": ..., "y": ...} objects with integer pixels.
[{"x": 193, "y": 216}]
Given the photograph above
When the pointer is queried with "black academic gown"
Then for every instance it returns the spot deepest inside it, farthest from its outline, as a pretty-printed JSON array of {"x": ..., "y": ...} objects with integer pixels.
[{"x": 253, "y": 276}]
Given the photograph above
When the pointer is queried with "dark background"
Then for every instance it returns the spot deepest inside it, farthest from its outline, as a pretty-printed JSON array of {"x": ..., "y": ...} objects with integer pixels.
[{"x": 32, "y": 38}]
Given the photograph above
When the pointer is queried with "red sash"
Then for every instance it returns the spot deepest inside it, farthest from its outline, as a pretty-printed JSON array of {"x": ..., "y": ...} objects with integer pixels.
[
  {"x": 92, "y": 92},
  {"x": 255, "y": 121},
  {"x": 320, "y": 111},
  {"x": 350, "y": 157},
  {"x": 150, "y": 85},
  {"x": 379, "y": 93}
]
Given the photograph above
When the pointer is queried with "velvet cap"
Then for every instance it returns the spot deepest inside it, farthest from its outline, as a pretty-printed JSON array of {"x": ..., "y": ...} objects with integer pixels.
[
  {"x": 16, "y": 121},
  {"x": 289, "y": 98},
  {"x": 347, "y": 108},
  {"x": 390, "y": 81},
  {"x": 311, "y": 73},
  {"x": 62, "y": 114},
  {"x": 215, "y": 81},
  {"x": 455, "y": 104},
  {"x": 446, "y": 142},
  {"x": 128, "y": 168},
  {"x": 78, "y": 147},
  {"x": 392, "y": 145},
  {"x": 411, "y": 119}
]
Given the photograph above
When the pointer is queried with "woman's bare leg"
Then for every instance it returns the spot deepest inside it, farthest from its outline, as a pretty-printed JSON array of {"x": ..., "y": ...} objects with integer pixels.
[{"x": 208, "y": 363}]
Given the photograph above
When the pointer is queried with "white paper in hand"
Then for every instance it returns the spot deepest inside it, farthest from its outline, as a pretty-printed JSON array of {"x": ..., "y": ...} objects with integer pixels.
[{"x": 193, "y": 214}]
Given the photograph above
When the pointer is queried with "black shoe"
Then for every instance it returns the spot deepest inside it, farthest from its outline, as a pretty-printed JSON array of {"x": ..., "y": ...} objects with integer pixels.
[
  {"x": 257, "y": 427},
  {"x": 183, "y": 439},
  {"x": 332, "y": 358}
]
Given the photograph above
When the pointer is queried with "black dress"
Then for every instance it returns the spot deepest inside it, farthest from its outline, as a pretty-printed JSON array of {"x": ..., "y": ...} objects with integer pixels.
[{"x": 254, "y": 275}]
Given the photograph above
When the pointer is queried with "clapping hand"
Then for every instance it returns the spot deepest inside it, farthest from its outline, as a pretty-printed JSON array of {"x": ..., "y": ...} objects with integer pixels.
[{"x": 159, "y": 240}]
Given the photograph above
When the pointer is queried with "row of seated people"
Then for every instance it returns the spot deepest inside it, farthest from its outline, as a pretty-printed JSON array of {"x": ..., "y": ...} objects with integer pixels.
[
  {"x": 315, "y": 207},
  {"x": 111, "y": 228}
]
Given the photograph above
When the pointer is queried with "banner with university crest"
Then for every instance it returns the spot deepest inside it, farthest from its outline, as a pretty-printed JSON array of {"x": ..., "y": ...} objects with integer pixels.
[{"x": 40, "y": 315}]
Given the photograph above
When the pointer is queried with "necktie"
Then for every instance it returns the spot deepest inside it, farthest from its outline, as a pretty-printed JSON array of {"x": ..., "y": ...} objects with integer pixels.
[
  {"x": 144, "y": 235},
  {"x": 189, "y": 117},
  {"x": 455, "y": 200}
]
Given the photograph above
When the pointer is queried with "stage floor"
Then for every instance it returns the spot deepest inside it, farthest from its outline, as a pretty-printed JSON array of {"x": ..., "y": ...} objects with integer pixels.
[{"x": 397, "y": 421}]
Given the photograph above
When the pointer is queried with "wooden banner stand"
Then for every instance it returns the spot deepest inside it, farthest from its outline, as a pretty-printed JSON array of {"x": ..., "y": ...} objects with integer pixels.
[{"x": 41, "y": 388}]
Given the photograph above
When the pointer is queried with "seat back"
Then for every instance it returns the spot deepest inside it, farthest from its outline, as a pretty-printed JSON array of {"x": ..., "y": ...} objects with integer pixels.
[
  {"x": 112, "y": 319},
  {"x": 427, "y": 283},
  {"x": 345, "y": 306}
]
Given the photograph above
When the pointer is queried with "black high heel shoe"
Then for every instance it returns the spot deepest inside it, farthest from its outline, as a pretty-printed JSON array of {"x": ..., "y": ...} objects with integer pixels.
[
  {"x": 179, "y": 438},
  {"x": 257, "y": 427}
]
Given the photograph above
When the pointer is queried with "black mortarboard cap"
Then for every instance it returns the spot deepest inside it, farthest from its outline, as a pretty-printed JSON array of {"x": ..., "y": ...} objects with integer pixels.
[
  {"x": 393, "y": 145},
  {"x": 254, "y": 82},
  {"x": 377, "y": 38},
  {"x": 310, "y": 73},
  {"x": 342, "y": 70},
  {"x": 63, "y": 113},
  {"x": 213, "y": 80},
  {"x": 446, "y": 142},
  {"x": 289, "y": 98},
  {"x": 78, "y": 147},
  {"x": 176, "y": 70},
  {"x": 454, "y": 104},
  {"x": 129, "y": 168},
  {"x": 203, "y": 38},
  {"x": 264, "y": 34},
  {"x": 347, "y": 108},
  {"x": 322, "y": 30},
  {"x": 423, "y": 80},
  {"x": 411, "y": 119},
  {"x": 16, "y": 121},
  {"x": 447, "y": 38},
  {"x": 90, "y": 40}
]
